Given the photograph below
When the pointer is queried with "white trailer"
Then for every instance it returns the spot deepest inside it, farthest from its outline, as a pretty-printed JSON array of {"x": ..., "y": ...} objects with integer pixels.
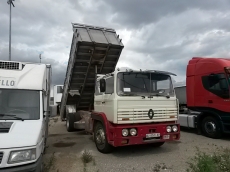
[
  {"x": 57, "y": 94},
  {"x": 24, "y": 115}
]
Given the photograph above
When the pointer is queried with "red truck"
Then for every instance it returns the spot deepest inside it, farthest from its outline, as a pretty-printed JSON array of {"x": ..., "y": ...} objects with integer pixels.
[{"x": 204, "y": 102}]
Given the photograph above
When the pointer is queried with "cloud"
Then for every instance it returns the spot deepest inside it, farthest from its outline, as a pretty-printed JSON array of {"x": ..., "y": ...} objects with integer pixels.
[{"x": 161, "y": 35}]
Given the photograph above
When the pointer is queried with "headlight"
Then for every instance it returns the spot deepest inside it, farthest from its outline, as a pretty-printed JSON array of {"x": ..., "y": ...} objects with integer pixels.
[
  {"x": 168, "y": 129},
  {"x": 174, "y": 128},
  {"x": 125, "y": 132},
  {"x": 133, "y": 132},
  {"x": 22, "y": 155}
]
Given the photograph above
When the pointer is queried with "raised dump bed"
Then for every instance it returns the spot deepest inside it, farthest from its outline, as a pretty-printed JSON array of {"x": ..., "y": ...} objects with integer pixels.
[{"x": 94, "y": 50}]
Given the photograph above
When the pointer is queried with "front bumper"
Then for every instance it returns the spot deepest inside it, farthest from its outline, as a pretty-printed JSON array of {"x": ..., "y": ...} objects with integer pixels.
[
  {"x": 116, "y": 139},
  {"x": 32, "y": 167}
]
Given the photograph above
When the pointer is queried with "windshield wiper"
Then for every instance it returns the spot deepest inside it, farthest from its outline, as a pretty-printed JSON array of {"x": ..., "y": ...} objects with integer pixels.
[
  {"x": 13, "y": 116},
  {"x": 151, "y": 96}
]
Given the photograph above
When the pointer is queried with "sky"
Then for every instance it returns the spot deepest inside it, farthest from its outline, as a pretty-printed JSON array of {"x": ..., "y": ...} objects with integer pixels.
[{"x": 157, "y": 34}]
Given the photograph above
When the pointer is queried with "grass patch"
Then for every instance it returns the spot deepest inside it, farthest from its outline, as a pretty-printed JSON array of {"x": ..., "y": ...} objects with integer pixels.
[
  {"x": 217, "y": 161},
  {"x": 86, "y": 157},
  {"x": 160, "y": 167}
]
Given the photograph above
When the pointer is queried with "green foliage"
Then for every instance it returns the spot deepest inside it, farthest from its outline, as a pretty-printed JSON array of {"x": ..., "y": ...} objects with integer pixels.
[
  {"x": 86, "y": 157},
  {"x": 203, "y": 162}
]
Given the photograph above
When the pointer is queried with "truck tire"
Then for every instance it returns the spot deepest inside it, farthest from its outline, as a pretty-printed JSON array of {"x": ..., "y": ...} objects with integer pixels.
[
  {"x": 211, "y": 127},
  {"x": 70, "y": 119},
  {"x": 157, "y": 144},
  {"x": 100, "y": 139}
]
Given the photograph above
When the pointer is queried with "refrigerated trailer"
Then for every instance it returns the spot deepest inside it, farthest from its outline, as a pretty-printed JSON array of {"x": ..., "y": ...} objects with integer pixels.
[
  {"x": 204, "y": 102},
  {"x": 119, "y": 107},
  {"x": 24, "y": 115}
]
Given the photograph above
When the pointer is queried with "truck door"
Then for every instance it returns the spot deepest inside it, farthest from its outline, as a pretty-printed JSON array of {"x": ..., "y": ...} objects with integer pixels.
[
  {"x": 98, "y": 98},
  {"x": 108, "y": 98},
  {"x": 218, "y": 96}
]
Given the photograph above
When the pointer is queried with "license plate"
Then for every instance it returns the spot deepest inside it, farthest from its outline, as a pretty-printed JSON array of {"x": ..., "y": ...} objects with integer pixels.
[
  {"x": 166, "y": 136},
  {"x": 153, "y": 135}
]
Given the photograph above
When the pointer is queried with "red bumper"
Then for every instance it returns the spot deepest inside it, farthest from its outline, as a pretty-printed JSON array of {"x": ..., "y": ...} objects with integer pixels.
[{"x": 116, "y": 139}]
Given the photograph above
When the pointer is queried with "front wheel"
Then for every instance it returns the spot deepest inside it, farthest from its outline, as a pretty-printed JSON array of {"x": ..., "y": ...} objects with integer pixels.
[
  {"x": 100, "y": 139},
  {"x": 211, "y": 127}
]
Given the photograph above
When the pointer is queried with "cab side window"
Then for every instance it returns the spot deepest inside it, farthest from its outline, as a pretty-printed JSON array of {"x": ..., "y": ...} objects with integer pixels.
[{"x": 216, "y": 84}]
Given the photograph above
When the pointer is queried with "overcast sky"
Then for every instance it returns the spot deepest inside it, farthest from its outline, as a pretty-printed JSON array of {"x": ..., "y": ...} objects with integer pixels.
[{"x": 157, "y": 34}]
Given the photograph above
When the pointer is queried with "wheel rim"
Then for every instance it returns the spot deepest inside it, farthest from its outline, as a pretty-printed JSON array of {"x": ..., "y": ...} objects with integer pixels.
[
  {"x": 100, "y": 137},
  {"x": 210, "y": 127}
]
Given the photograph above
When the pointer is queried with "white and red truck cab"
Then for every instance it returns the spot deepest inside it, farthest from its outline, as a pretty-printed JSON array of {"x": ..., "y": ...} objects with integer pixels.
[
  {"x": 134, "y": 107},
  {"x": 119, "y": 107}
]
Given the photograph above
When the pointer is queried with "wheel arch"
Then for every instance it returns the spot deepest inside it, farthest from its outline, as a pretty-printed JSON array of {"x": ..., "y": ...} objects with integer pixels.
[
  {"x": 217, "y": 118},
  {"x": 100, "y": 117},
  {"x": 213, "y": 114}
]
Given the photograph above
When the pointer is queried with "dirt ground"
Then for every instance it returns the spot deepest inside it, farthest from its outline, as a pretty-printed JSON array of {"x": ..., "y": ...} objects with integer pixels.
[{"x": 65, "y": 149}]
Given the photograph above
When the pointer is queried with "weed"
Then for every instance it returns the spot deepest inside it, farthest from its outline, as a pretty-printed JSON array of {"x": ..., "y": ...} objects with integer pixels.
[
  {"x": 217, "y": 161},
  {"x": 158, "y": 167},
  {"x": 86, "y": 157}
]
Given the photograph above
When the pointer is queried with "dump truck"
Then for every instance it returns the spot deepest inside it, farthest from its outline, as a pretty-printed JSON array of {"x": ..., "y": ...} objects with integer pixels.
[
  {"x": 24, "y": 115},
  {"x": 204, "y": 101},
  {"x": 118, "y": 106}
]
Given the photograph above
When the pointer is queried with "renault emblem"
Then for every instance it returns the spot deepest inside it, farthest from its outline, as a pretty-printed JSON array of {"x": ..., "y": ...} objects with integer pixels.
[{"x": 150, "y": 114}]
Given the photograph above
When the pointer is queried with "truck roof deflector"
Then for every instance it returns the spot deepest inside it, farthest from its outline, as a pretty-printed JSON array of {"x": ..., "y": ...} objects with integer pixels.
[{"x": 163, "y": 72}]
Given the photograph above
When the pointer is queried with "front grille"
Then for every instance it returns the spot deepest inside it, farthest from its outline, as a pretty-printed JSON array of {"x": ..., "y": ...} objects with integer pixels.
[
  {"x": 9, "y": 65},
  {"x": 1, "y": 157},
  {"x": 138, "y": 115},
  {"x": 5, "y": 127}
]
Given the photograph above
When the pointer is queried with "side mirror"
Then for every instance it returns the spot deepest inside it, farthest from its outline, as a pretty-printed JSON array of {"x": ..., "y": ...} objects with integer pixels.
[{"x": 102, "y": 85}]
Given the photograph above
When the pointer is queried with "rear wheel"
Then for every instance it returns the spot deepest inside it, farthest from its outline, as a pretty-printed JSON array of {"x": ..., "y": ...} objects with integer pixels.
[
  {"x": 211, "y": 127},
  {"x": 100, "y": 139},
  {"x": 70, "y": 122},
  {"x": 157, "y": 144}
]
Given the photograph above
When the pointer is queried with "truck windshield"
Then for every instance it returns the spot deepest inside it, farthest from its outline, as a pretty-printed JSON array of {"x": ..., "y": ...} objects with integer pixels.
[
  {"x": 19, "y": 104},
  {"x": 131, "y": 83}
]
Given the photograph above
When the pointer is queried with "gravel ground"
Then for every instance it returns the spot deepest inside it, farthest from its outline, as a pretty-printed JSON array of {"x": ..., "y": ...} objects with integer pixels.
[{"x": 64, "y": 152}]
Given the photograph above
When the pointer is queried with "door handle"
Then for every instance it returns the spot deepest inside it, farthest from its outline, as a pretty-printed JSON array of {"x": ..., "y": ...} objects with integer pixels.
[{"x": 210, "y": 101}]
